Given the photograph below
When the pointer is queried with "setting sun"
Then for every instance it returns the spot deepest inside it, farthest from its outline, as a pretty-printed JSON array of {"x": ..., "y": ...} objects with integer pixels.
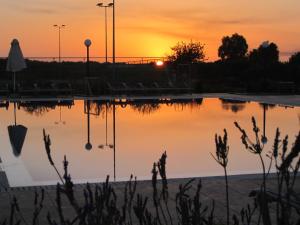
[{"x": 159, "y": 63}]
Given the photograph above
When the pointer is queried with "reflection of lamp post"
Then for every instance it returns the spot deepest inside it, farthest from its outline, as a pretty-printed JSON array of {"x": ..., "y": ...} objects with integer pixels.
[
  {"x": 88, "y": 145},
  {"x": 105, "y": 9},
  {"x": 114, "y": 138},
  {"x": 60, "y": 120},
  {"x": 264, "y": 139},
  {"x": 59, "y": 28},
  {"x": 106, "y": 145}
]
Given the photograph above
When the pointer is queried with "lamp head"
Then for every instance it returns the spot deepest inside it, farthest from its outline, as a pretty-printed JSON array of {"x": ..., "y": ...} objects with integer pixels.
[
  {"x": 87, "y": 43},
  {"x": 88, "y": 146},
  {"x": 264, "y": 140},
  {"x": 110, "y": 4},
  {"x": 100, "y": 4}
]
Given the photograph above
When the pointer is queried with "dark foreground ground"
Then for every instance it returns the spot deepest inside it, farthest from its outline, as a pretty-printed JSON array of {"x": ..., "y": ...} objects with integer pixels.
[{"x": 213, "y": 189}]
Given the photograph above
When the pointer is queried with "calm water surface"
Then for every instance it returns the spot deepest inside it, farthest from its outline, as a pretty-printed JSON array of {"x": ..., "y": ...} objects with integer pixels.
[{"x": 143, "y": 131}]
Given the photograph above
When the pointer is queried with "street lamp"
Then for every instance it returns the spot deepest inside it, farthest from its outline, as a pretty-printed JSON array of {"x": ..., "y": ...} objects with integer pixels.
[
  {"x": 114, "y": 44},
  {"x": 59, "y": 28},
  {"x": 87, "y": 44},
  {"x": 105, "y": 9}
]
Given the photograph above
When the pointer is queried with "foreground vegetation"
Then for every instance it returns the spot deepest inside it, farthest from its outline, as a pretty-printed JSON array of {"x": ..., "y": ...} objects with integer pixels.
[{"x": 102, "y": 205}]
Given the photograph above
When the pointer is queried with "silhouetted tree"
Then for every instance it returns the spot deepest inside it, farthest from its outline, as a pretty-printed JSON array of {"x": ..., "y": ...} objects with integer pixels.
[
  {"x": 294, "y": 64},
  {"x": 232, "y": 48},
  {"x": 267, "y": 53},
  {"x": 184, "y": 52},
  {"x": 295, "y": 59}
]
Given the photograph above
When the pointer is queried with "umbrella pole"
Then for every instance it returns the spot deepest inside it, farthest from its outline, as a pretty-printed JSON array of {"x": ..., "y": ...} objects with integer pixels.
[
  {"x": 15, "y": 113},
  {"x": 14, "y": 82}
]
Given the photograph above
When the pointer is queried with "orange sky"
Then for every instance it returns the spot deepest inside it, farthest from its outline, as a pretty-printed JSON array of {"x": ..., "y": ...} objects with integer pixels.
[{"x": 147, "y": 28}]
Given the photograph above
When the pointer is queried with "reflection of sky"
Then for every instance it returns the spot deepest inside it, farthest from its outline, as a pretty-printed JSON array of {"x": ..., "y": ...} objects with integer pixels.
[
  {"x": 186, "y": 133},
  {"x": 147, "y": 28}
]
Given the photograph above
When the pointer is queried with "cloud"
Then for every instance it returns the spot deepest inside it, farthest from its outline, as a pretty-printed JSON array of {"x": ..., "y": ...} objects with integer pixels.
[
  {"x": 195, "y": 15},
  {"x": 40, "y": 10},
  {"x": 46, "y": 7},
  {"x": 181, "y": 33}
]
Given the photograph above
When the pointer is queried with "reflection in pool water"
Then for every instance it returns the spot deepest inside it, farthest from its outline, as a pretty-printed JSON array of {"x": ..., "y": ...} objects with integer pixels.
[{"x": 124, "y": 137}]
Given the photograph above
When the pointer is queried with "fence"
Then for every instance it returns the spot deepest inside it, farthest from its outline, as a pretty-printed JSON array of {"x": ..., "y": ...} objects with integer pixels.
[{"x": 119, "y": 59}]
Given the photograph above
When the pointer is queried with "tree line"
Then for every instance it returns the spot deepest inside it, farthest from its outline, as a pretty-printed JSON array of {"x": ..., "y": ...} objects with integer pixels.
[{"x": 232, "y": 48}]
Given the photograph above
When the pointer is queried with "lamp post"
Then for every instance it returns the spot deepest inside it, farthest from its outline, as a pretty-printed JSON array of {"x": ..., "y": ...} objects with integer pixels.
[
  {"x": 59, "y": 46},
  {"x": 87, "y": 44},
  {"x": 264, "y": 139},
  {"x": 105, "y": 10},
  {"x": 114, "y": 39},
  {"x": 114, "y": 138},
  {"x": 88, "y": 145}
]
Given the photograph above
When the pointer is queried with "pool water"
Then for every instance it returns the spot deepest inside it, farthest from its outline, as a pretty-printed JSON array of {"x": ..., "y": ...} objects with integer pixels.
[{"x": 83, "y": 130}]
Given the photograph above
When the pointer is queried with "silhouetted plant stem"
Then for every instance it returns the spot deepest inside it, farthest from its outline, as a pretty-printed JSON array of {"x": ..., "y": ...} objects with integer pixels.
[
  {"x": 227, "y": 196},
  {"x": 222, "y": 150},
  {"x": 155, "y": 192},
  {"x": 163, "y": 214},
  {"x": 161, "y": 165},
  {"x": 47, "y": 143},
  {"x": 12, "y": 213},
  {"x": 132, "y": 190},
  {"x": 257, "y": 148},
  {"x": 59, "y": 206},
  {"x": 17, "y": 209}
]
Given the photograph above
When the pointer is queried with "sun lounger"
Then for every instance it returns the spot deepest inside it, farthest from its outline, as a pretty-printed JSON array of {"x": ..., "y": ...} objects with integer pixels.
[
  {"x": 27, "y": 88},
  {"x": 4, "y": 89},
  {"x": 111, "y": 89},
  {"x": 46, "y": 88},
  {"x": 63, "y": 87}
]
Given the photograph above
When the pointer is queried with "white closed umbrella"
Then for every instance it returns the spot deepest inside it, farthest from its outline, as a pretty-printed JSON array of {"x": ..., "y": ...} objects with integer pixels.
[{"x": 15, "y": 60}]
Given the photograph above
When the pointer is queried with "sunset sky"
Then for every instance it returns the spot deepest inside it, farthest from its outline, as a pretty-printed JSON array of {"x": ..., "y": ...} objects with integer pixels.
[{"x": 147, "y": 28}]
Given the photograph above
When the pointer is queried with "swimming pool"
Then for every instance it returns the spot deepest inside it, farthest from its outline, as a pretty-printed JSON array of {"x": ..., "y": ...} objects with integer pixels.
[{"x": 83, "y": 130}]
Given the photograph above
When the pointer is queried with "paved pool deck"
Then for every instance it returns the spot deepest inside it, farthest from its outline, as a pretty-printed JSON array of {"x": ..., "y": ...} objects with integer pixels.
[
  {"x": 213, "y": 189},
  {"x": 284, "y": 100}
]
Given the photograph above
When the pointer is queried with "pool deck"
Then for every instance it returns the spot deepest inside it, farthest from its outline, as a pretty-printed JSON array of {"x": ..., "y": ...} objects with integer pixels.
[
  {"x": 284, "y": 100},
  {"x": 213, "y": 189}
]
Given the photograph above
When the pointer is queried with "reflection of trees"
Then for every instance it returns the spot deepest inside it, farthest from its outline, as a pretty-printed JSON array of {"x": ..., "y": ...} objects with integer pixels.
[
  {"x": 193, "y": 105},
  {"x": 39, "y": 108},
  {"x": 145, "y": 108},
  {"x": 99, "y": 107},
  {"x": 4, "y": 104},
  {"x": 268, "y": 106},
  {"x": 234, "y": 105}
]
